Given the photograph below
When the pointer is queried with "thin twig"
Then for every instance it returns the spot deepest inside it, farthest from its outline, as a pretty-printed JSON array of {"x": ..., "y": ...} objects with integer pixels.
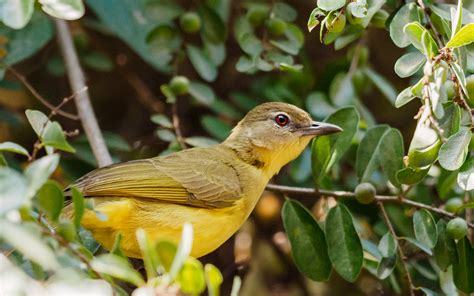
[
  {"x": 428, "y": 19},
  {"x": 145, "y": 95},
  {"x": 342, "y": 194},
  {"x": 399, "y": 248},
  {"x": 176, "y": 125},
  {"x": 83, "y": 102},
  {"x": 39, "y": 97}
]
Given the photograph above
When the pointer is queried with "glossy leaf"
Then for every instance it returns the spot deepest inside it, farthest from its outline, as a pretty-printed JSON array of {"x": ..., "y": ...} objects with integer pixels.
[
  {"x": 388, "y": 245},
  {"x": 327, "y": 150},
  {"x": 308, "y": 243},
  {"x": 445, "y": 249},
  {"x": 406, "y": 14},
  {"x": 391, "y": 154},
  {"x": 466, "y": 175},
  {"x": 404, "y": 97},
  {"x": 13, "y": 190},
  {"x": 17, "y": 13},
  {"x": 463, "y": 269},
  {"x": 51, "y": 199},
  {"x": 367, "y": 160},
  {"x": 409, "y": 64},
  {"x": 63, "y": 9},
  {"x": 13, "y": 147},
  {"x": 425, "y": 228},
  {"x": 346, "y": 249},
  {"x": 202, "y": 63},
  {"x": 465, "y": 36},
  {"x": 117, "y": 267},
  {"x": 386, "y": 266},
  {"x": 454, "y": 151},
  {"x": 419, "y": 245},
  {"x": 38, "y": 172},
  {"x": 411, "y": 175},
  {"x": 424, "y": 157},
  {"x": 330, "y": 5},
  {"x": 414, "y": 32}
]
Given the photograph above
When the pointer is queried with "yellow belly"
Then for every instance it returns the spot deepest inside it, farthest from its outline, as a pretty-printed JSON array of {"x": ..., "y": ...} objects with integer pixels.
[{"x": 163, "y": 221}]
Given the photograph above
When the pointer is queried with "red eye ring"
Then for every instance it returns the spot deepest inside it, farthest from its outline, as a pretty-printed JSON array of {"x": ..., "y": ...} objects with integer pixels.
[{"x": 282, "y": 119}]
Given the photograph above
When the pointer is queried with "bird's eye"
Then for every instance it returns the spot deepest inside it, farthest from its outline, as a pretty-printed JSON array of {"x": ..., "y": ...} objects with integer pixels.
[{"x": 282, "y": 119}]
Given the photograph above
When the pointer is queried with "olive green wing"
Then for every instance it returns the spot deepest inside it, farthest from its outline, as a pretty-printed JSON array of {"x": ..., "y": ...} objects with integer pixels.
[{"x": 187, "y": 177}]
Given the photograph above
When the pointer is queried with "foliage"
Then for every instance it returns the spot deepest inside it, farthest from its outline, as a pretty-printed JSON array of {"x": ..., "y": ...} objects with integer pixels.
[{"x": 191, "y": 48}]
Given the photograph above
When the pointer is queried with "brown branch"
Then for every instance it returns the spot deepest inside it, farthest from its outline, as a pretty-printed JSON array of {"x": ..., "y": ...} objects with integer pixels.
[
  {"x": 145, "y": 95},
  {"x": 176, "y": 125},
  {"x": 83, "y": 102},
  {"x": 426, "y": 12},
  {"x": 399, "y": 248},
  {"x": 39, "y": 97},
  {"x": 343, "y": 194}
]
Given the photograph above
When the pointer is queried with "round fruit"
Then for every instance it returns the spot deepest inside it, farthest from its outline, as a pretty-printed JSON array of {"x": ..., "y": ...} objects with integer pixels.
[
  {"x": 453, "y": 204},
  {"x": 336, "y": 22},
  {"x": 365, "y": 193},
  {"x": 179, "y": 85},
  {"x": 276, "y": 26},
  {"x": 190, "y": 22},
  {"x": 256, "y": 16},
  {"x": 456, "y": 228}
]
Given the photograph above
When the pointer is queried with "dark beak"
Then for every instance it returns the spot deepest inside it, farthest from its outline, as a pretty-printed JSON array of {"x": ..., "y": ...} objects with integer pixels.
[{"x": 321, "y": 128}]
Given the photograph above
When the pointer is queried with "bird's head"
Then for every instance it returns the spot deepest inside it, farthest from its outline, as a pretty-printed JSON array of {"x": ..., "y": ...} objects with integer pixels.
[{"x": 276, "y": 133}]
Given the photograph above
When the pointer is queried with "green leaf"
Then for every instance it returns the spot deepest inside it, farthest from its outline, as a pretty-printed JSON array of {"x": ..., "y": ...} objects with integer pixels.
[
  {"x": 202, "y": 93},
  {"x": 17, "y": 13},
  {"x": 29, "y": 243},
  {"x": 308, "y": 244},
  {"x": 191, "y": 277},
  {"x": 466, "y": 175},
  {"x": 367, "y": 160},
  {"x": 408, "y": 64},
  {"x": 406, "y": 14},
  {"x": 446, "y": 281},
  {"x": 161, "y": 120},
  {"x": 37, "y": 120},
  {"x": 165, "y": 135},
  {"x": 13, "y": 147},
  {"x": 313, "y": 21},
  {"x": 213, "y": 28},
  {"x": 53, "y": 136},
  {"x": 411, "y": 175},
  {"x": 63, "y": 9},
  {"x": 358, "y": 8},
  {"x": 200, "y": 141},
  {"x": 13, "y": 190},
  {"x": 150, "y": 256},
  {"x": 425, "y": 228},
  {"x": 465, "y": 36},
  {"x": 404, "y": 97},
  {"x": 250, "y": 44},
  {"x": 386, "y": 266},
  {"x": 445, "y": 249},
  {"x": 216, "y": 127},
  {"x": 330, "y": 5},
  {"x": 382, "y": 84},
  {"x": 424, "y": 157},
  {"x": 327, "y": 150},
  {"x": 166, "y": 252},
  {"x": 38, "y": 172},
  {"x": 78, "y": 203},
  {"x": 387, "y": 245},
  {"x": 463, "y": 269},
  {"x": 456, "y": 18},
  {"x": 169, "y": 94},
  {"x": 183, "y": 251},
  {"x": 202, "y": 63},
  {"x": 341, "y": 90},
  {"x": 98, "y": 62},
  {"x": 391, "y": 154},
  {"x": 415, "y": 32},
  {"x": 345, "y": 249},
  {"x": 419, "y": 245},
  {"x": 459, "y": 72},
  {"x": 117, "y": 267},
  {"x": 51, "y": 199},
  {"x": 116, "y": 247},
  {"x": 454, "y": 151},
  {"x": 214, "y": 279}
]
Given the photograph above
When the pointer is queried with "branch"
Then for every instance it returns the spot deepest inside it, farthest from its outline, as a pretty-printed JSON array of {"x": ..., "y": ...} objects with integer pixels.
[
  {"x": 83, "y": 102},
  {"x": 341, "y": 194},
  {"x": 399, "y": 248},
  {"x": 39, "y": 97},
  {"x": 177, "y": 126}
]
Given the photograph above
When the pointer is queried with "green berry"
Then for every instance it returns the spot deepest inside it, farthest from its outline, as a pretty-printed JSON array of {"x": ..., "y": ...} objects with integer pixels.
[
  {"x": 456, "y": 228},
  {"x": 276, "y": 26},
  {"x": 336, "y": 22},
  {"x": 256, "y": 16},
  {"x": 179, "y": 85},
  {"x": 190, "y": 22},
  {"x": 453, "y": 204},
  {"x": 365, "y": 193}
]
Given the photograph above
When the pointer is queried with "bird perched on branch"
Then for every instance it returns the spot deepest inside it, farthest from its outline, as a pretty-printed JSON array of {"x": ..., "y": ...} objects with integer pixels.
[{"x": 214, "y": 188}]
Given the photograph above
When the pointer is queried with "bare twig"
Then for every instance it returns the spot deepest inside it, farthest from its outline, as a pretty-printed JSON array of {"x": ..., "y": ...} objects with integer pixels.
[
  {"x": 428, "y": 19},
  {"x": 39, "y": 97},
  {"x": 399, "y": 248},
  {"x": 342, "y": 194},
  {"x": 176, "y": 125},
  {"x": 145, "y": 95},
  {"x": 83, "y": 102}
]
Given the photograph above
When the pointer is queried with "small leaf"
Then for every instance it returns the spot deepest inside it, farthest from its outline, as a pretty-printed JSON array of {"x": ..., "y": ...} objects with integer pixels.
[
  {"x": 166, "y": 252},
  {"x": 191, "y": 277},
  {"x": 13, "y": 190},
  {"x": 78, "y": 203},
  {"x": 117, "y": 267},
  {"x": 250, "y": 44},
  {"x": 51, "y": 199},
  {"x": 346, "y": 249},
  {"x": 386, "y": 266},
  {"x": 367, "y": 160},
  {"x": 37, "y": 120},
  {"x": 202, "y": 63},
  {"x": 168, "y": 93},
  {"x": 308, "y": 244},
  {"x": 414, "y": 32},
  {"x": 38, "y": 172},
  {"x": 53, "y": 136},
  {"x": 454, "y": 151},
  {"x": 411, "y": 175},
  {"x": 161, "y": 120},
  {"x": 466, "y": 175},
  {"x": 404, "y": 97},
  {"x": 202, "y": 93},
  {"x": 459, "y": 72},
  {"x": 213, "y": 28},
  {"x": 445, "y": 249},
  {"x": 387, "y": 245},
  {"x": 165, "y": 135},
  {"x": 406, "y": 14},
  {"x": 313, "y": 21},
  {"x": 216, "y": 127},
  {"x": 391, "y": 154},
  {"x": 16, "y": 13},
  {"x": 200, "y": 141},
  {"x": 382, "y": 84},
  {"x": 330, "y": 5},
  {"x": 424, "y": 157},
  {"x": 13, "y": 147},
  {"x": 409, "y": 64},
  {"x": 63, "y": 9},
  {"x": 214, "y": 279},
  {"x": 419, "y": 245},
  {"x": 425, "y": 228},
  {"x": 183, "y": 251},
  {"x": 463, "y": 269},
  {"x": 465, "y": 36},
  {"x": 150, "y": 257}
]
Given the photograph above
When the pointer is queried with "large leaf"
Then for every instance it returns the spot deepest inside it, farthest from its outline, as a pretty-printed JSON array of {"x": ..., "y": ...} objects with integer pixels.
[
  {"x": 16, "y": 13},
  {"x": 421, "y": 38},
  {"x": 465, "y": 36},
  {"x": 391, "y": 154},
  {"x": 327, "y": 150},
  {"x": 454, "y": 151},
  {"x": 463, "y": 268},
  {"x": 367, "y": 160},
  {"x": 445, "y": 249},
  {"x": 345, "y": 249},
  {"x": 407, "y": 14},
  {"x": 425, "y": 228},
  {"x": 308, "y": 243},
  {"x": 409, "y": 63}
]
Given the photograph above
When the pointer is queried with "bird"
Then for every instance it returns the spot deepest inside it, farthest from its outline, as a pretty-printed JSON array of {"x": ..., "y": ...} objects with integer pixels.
[{"x": 213, "y": 188}]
